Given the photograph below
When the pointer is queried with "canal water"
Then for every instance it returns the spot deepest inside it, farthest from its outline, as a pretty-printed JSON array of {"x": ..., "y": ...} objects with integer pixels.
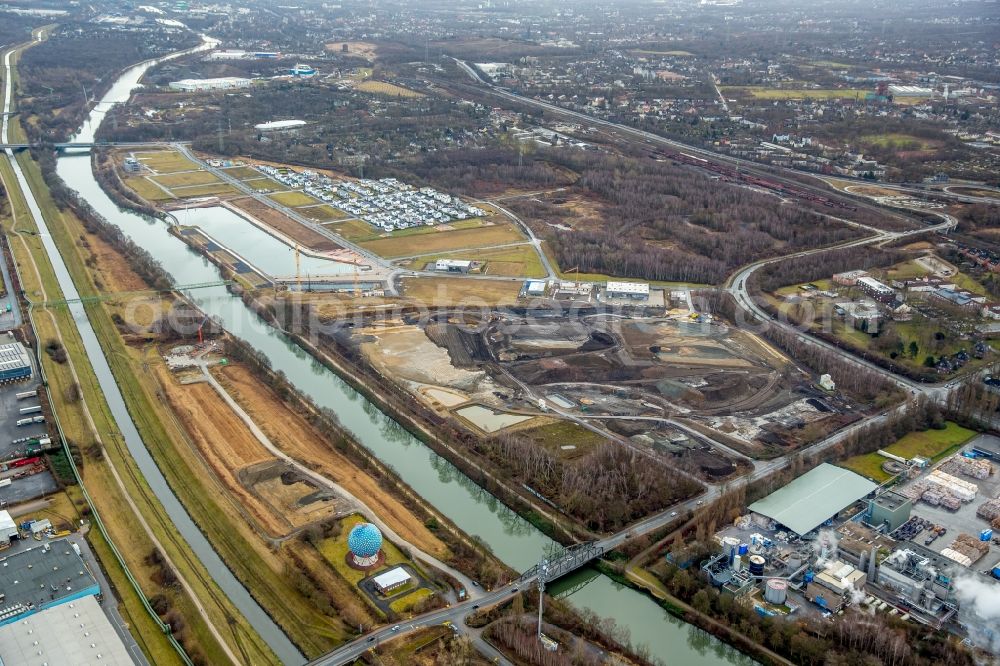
[{"x": 512, "y": 539}]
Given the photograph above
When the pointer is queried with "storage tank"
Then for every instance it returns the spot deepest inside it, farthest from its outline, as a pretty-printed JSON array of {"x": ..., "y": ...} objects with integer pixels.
[
  {"x": 809, "y": 576},
  {"x": 737, "y": 563},
  {"x": 757, "y": 565},
  {"x": 776, "y": 591},
  {"x": 744, "y": 548},
  {"x": 729, "y": 547}
]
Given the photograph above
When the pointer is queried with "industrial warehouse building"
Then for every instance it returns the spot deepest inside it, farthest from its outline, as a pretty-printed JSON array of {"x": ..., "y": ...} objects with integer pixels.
[
  {"x": 72, "y": 634},
  {"x": 987, "y": 446},
  {"x": 8, "y": 528},
  {"x": 813, "y": 498},
  {"x": 42, "y": 577},
  {"x": 637, "y": 291},
  {"x": 890, "y": 509},
  {"x": 453, "y": 265},
  {"x": 392, "y": 579},
  {"x": 201, "y": 85},
  {"x": 279, "y": 125},
  {"x": 15, "y": 363}
]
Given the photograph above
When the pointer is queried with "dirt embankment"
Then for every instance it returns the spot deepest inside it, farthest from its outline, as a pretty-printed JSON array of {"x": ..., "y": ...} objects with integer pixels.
[
  {"x": 290, "y": 431},
  {"x": 225, "y": 444}
]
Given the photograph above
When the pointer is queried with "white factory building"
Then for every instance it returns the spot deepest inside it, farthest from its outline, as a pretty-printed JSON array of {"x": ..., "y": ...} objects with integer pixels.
[
  {"x": 279, "y": 125},
  {"x": 637, "y": 291},
  {"x": 910, "y": 91},
  {"x": 201, "y": 85},
  {"x": 391, "y": 580},
  {"x": 8, "y": 528},
  {"x": 453, "y": 265}
]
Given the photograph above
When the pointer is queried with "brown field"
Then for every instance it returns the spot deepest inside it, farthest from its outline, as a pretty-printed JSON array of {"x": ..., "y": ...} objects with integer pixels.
[
  {"x": 185, "y": 178},
  {"x": 290, "y": 431},
  {"x": 452, "y": 291},
  {"x": 975, "y": 192},
  {"x": 365, "y": 50},
  {"x": 872, "y": 191},
  {"x": 385, "y": 88},
  {"x": 444, "y": 241},
  {"x": 285, "y": 225}
]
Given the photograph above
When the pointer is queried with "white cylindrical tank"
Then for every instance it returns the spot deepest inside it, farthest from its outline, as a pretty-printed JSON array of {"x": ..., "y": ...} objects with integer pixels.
[
  {"x": 776, "y": 591},
  {"x": 737, "y": 563}
]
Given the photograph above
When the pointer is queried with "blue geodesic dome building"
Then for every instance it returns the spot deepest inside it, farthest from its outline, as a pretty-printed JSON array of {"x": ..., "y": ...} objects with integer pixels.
[{"x": 364, "y": 542}]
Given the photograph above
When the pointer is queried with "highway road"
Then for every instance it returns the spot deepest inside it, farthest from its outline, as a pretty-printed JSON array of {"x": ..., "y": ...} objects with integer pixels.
[{"x": 650, "y": 138}]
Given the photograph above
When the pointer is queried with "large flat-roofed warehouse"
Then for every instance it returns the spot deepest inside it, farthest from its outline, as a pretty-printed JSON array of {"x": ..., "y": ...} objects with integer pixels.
[
  {"x": 14, "y": 362},
  {"x": 813, "y": 498},
  {"x": 638, "y": 291},
  {"x": 42, "y": 577},
  {"x": 987, "y": 446},
  {"x": 73, "y": 634}
]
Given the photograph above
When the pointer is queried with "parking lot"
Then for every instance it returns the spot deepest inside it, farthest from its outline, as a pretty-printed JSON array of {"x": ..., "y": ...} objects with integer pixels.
[{"x": 28, "y": 486}]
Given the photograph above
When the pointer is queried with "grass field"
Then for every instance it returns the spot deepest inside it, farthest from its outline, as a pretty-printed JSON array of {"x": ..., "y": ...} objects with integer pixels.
[
  {"x": 356, "y": 230},
  {"x": 408, "y": 601},
  {"x": 664, "y": 53},
  {"x": 243, "y": 172},
  {"x": 516, "y": 261},
  {"x": 931, "y": 444},
  {"x": 334, "y": 551},
  {"x": 324, "y": 213},
  {"x": 760, "y": 92},
  {"x": 895, "y": 139},
  {"x": 564, "y": 433},
  {"x": 185, "y": 178},
  {"x": 147, "y": 190},
  {"x": 218, "y": 188},
  {"x": 459, "y": 291},
  {"x": 264, "y": 184},
  {"x": 166, "y": 161},
  {"x": 794, "y": 288},
  {"x": 443, "y": 241},
  {"x": 293, "y": 199},
  {"x": 831, "y": 64},
  {"x": 384, "y": 88}
]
